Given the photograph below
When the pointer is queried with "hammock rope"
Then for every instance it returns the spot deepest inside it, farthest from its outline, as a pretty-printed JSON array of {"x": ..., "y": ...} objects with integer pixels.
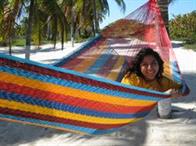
[{"x": 81, "y": 93}]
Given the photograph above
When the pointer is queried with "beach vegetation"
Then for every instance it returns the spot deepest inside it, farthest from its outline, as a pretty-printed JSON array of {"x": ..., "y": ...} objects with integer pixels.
[
  {"x": 190, "y": 46},
  {"x": 38, "y": 21},
  {"x": 183, "y": 28}
]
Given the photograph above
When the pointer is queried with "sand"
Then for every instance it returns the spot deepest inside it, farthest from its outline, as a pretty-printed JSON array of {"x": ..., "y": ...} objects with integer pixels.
[{"x": 180, "y": 130}]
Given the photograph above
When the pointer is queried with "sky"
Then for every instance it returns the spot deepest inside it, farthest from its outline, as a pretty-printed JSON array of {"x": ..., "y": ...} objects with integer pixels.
[{"x": 178, "y": 7}]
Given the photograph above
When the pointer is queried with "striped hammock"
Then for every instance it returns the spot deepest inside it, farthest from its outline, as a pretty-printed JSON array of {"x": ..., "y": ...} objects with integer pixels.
[{"x": 82, "y": 92}]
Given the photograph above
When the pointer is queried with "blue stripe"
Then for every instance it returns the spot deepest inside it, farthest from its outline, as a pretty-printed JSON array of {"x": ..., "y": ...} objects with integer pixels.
[
  {"x": 99, "y": 63},
  {"x": 60, "y": 125},
  {"x": 64, "y": 107},
  {"x": 80, "y": 86},
  {"x": 176, "y": 73},
  {"x": 122, "y": 71}
]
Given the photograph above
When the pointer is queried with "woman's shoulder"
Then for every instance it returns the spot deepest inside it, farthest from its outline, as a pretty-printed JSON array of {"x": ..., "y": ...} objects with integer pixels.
[
  {"x": 130, "y": 78},
  {"x": 169, "y": 82},
  {"x": 166, "y": 79},
  {"x": 131, "y": 75}
]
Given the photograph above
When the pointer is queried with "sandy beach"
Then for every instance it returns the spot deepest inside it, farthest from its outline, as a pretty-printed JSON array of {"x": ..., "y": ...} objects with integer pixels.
[{"x": 180, "y": 130}]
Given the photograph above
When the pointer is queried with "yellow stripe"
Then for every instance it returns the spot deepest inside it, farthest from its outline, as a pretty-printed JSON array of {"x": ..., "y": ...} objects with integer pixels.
[
  {"x": 116, "y": 69},
  {"x": 167, "y": 70},
  {"x": 61, "y": 114},
  {"x": 49, "y": 87}
]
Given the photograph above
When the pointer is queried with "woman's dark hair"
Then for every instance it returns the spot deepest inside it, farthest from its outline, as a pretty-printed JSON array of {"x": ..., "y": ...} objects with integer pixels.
[{"x": 139, "y": 58}]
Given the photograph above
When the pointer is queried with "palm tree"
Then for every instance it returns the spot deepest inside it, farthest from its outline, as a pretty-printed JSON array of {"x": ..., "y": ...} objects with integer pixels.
[
  {"x": 55, "y": 12},
  {"x": 102, "y": 6},
  {"x": 164, "y": 107},
  {"x": 69, "y": 12},
  {"x": 9, "y": 12},
  {"x": 164, "y": 5},
  {"x": 29, "y": 29},
  {"x": 54, "y": 9},
  {"x": 51, "y": 13}
]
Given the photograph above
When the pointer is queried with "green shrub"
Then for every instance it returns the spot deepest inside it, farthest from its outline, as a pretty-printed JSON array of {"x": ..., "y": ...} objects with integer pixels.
[
  {"x": 183, "y": 27},
  {"x": 18, "y": 42},
  {"x": 190, "y": 46}
]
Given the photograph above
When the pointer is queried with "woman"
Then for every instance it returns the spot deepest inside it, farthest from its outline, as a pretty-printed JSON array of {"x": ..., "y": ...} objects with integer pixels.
[{"x": 147, "y": 72}]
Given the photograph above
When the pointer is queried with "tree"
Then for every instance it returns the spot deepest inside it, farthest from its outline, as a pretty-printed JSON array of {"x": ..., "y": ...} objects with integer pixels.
[
  {"x": 164, "y": 107},
  {"x": 9, "y": 12},
  {"x": 164, "y": 8},
  {"x": 183, "y": 27},
  {"x": 29, "y": 30},
  {"x": 90, "y": 13},
  {"x": 69, "y": 10},
  {"x": 53, "y": 14},
  {"x": 54, "y": 9},
  {"x": 102, "y": 6}
]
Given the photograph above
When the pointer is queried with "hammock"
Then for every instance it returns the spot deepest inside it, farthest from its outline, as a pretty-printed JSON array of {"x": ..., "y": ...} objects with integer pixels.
[{"x": 82, "y": 92}]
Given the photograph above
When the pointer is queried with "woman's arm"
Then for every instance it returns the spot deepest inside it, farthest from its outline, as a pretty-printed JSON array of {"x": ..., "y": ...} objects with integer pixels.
[{"x": 174, "y": 92}]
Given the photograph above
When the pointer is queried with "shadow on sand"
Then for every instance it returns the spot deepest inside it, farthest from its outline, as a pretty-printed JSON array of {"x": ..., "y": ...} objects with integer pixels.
[{"x": 177, "y": 45}]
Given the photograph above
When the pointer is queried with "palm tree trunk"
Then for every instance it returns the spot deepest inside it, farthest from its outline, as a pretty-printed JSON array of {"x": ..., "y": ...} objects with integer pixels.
[
  {"x": 29, "y": 30},
  {"x": 55, "y": 31},
  {"x": 164, "y": 107},
  {"x": 72, "y": 27},
  {"x": 62, "y": 37},
  {"x": 39, "y": 35},
  {"x": 10, "y": 46},
  {"x": 163, "y": 5},
  {"x": 95, "y": 17}
]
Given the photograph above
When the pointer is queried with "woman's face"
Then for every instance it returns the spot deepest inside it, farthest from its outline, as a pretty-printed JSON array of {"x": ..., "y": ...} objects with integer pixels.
[{"x": 149, "y": 67}]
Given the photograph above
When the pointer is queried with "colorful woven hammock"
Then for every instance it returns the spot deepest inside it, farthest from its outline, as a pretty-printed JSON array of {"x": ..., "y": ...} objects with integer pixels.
[{"x": 81, "y": 93}]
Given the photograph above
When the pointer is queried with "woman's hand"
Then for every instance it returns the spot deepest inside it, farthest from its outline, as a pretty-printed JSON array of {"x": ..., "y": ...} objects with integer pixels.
[{"x": 173, "y": 93}]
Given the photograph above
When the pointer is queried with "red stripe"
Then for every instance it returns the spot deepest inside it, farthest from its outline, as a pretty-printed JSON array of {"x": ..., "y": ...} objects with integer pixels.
[
  {"x": 74, "y": 101},
  {"x": 32, "y": 115},
  {"x": 75, "y": 78}
]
